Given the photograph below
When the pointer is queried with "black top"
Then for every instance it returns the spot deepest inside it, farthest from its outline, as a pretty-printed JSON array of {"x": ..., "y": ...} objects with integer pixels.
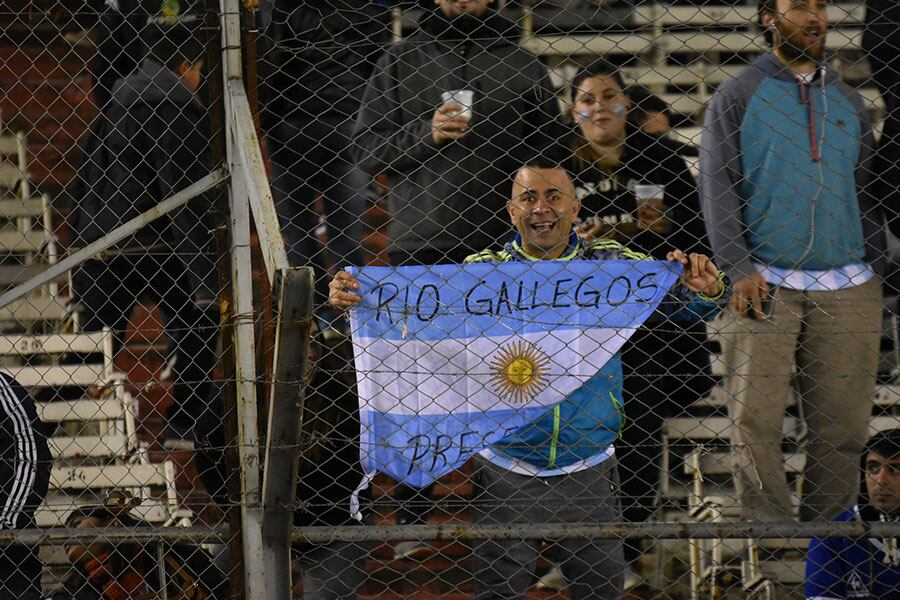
[
  {"x": 671, "y": 355},
  {"x": 317, "y": 55},
  {"x": 25, "y": 458},
  {"x": 151, "y": 141},
  {"x": 646, "y": 160}
]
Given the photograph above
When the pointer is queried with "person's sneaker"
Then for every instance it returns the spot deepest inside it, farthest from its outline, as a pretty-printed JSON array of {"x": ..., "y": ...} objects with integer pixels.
[
  {"x": 413, "y": 550},
  {"x": 553, "y": 580}
]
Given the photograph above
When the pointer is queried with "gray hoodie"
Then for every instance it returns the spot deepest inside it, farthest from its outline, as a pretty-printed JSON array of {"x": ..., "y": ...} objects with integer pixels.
[
  {"x": 450, "y": 197},
  {"x": 150, "y": 142}
]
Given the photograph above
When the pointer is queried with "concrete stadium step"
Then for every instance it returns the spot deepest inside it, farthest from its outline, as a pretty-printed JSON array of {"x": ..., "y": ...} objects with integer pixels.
[
  {"x": 12, "y": 275},
  {"x": 16, "y": 208},
  {"x": 109, "y": 476},
  {"x": 36, "y": 308},
  {"x": 55, "y": 343},
  {"x": 57, "y": 508},
  {"x": 22, "y": 241},
  {"x": 86, "y": 409},
  {"x": 88, "y": 446},
  {"x": 57, "y": 376}
]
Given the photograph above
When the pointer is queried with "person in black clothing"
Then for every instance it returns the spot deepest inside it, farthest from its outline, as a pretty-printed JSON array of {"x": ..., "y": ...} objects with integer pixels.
[
  {"x": 448, "y": 164},
  {"x": 317, "y": 56},
  {"x": 329, "y": 475},
  {"x": 25, "y": 463},
  {"x": 329, "y": 472},
  {"x": 609, "y": 158},
  {"x": 119, "y": 47},
  {"x": 150, "y": 142},
  {"x": 129, "y": 571},
  {"x": 881, "y": 41}
]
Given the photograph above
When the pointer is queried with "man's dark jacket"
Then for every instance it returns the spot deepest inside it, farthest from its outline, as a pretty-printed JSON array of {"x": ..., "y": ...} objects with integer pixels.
[
  {"x": 450, "y": 196},
  {"x": 25, "y": 463},
  {"x": 150, "y": 142},
  {"x": 317, "y": 56}
]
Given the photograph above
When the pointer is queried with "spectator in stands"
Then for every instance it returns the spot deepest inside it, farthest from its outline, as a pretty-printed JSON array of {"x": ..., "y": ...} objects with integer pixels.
[
  {"x": 447, "y": 167},
  {"x": 863, "y": 568},
  {"x": 118, "y": 40},
  {"x": 150, "y": 142},
  {"x": 881, "y": 41},
  {"x": 562, "y": 467},
  {"x": 610, "y": 157},
  {"x": 318, "y": 56},
  {"x": 784, "y": 164},
  {"x": 24, "y": 476},
  {"x": 130, "y": 571},
  {"x": 651, "y": 114}
]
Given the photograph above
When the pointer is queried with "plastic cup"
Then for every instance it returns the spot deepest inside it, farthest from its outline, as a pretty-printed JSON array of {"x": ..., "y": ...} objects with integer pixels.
[
  {"x": 653, "y": 193},
  {"x": 464, "y": 98}
]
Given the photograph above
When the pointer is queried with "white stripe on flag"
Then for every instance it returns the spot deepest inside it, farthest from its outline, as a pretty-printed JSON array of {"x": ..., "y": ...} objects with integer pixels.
[{"x": 461, "y": 375}]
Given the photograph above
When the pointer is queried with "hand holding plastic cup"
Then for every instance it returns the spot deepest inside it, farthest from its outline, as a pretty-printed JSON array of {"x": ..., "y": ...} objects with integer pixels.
[
  {"x": 464, "y": 98},
  {"x": 650, "y": 202}
]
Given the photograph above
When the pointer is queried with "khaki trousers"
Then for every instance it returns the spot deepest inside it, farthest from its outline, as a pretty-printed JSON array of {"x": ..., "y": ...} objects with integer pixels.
[{"x": 832, "y": 339}]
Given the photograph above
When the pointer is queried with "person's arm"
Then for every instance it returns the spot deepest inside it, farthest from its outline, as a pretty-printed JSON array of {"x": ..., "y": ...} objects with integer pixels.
[
  {"x": 381, "y": 140},
  {"x": 699, "y": 294},
  {"x": 721, "y": 175},
  {"x": 720, "y": 178},
  {"x": 825, "y": 569},
  {"x": 869, "y": 193},
  {"x": 19, "y": 442},
  {"x": 342, "y": 291}
]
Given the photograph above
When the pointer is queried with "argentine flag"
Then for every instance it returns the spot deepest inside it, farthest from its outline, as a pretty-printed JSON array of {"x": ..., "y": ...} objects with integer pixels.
[{"x": 453, "y": 358}]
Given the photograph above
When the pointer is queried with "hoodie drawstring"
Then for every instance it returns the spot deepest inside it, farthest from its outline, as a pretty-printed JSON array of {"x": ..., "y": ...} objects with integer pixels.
[{"x": 811, "y": 117}]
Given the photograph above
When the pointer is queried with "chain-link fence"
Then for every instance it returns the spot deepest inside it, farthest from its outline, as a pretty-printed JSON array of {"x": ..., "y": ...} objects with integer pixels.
[{"x": 601, "y": 299}]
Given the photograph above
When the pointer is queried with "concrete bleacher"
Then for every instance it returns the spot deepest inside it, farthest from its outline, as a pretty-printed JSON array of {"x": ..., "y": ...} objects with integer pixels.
[
  {"x": 93, "y": 439},
  {"x": 81, "y": 397},
  {"x": 27, "y": 242}
]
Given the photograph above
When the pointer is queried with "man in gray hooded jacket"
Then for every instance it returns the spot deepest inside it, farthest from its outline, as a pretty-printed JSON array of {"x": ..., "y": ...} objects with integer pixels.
[
  {"x": 151, "y": 141},
  {"x": 447, "y": 164},
  {"x": 785, "y": 164}
]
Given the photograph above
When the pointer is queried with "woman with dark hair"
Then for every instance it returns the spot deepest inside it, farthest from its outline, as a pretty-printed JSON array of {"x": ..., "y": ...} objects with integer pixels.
[{"x": 636, "y": 190}]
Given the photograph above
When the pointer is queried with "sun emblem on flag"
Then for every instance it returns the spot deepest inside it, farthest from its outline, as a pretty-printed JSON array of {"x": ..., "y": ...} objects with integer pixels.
[{"x": 519, "y": 371}]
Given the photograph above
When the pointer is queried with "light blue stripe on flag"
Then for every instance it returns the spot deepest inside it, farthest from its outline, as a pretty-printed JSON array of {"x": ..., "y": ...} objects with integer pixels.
[{"x": 452, "y": 358}]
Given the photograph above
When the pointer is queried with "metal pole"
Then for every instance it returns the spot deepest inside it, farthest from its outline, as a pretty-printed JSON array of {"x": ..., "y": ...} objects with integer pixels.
[
  {"x": 131, "y": 535},
  {"x": 245, "y": 374},
  {"x": 161, "y": 571},
  {"x": 115, "y": 236},
  {"x": 218, "y": 144},
  {"x": 262, "y": 204},
  {"x": 255, "y": 587},
  {"x": 556, "y": 531},
  {"x": 295, "y": 302}
]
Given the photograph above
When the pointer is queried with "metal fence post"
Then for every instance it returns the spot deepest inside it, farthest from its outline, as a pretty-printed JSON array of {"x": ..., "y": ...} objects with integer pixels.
[
  {"x": 294, "y": 309},
  {"x": 245, "y": 367}
]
